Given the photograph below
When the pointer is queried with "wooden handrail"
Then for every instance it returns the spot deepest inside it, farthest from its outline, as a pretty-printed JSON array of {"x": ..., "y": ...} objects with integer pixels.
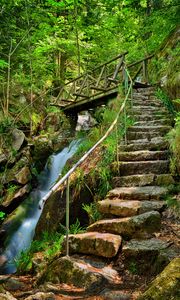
[{"x": 139, "y": 61}]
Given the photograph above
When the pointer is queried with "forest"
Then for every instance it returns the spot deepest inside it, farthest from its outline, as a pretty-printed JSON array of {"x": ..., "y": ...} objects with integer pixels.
[{"x": 69, "y": 70}]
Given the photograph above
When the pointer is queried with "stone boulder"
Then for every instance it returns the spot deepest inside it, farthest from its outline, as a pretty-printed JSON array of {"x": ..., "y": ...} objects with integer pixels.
[
  {"x": 166, "y": 286},
  {"x": 74, "y": 271},
  {"x": 100, "y": 244},
  {"x": 20, "y": 172},
  {"x": 18, "y": 138}
]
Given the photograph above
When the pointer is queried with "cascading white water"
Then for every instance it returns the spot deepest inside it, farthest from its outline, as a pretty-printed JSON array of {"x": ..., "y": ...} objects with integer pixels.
[{"x": 31, "y": 208}]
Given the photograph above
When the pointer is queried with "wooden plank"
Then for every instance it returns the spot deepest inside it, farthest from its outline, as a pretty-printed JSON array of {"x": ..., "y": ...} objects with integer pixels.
[
  {"x": 139, "y": 61},
  {"x": 80, "y": 95},
  {"x": 98, "y": 88}
]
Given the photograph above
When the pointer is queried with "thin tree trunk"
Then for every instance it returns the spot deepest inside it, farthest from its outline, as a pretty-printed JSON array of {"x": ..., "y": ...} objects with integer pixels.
[{"x": 8, "y": 80}]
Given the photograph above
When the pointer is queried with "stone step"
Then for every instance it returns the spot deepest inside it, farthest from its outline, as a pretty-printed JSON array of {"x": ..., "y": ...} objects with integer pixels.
[
  {"x": 136, "y": 226},
  {"x": 157, "y": 143},
  {"x": 128, "y": 208},
  {"x": 150, "y": 128},
  {"x": 140, "y": 248},
  {"x": 148, "y": 117},
  {"x": 143, "y": 167},
  {"x": 147, "y": 254},
  {"x": 161, "y": 122},
  {"x": 138, "y": 193},
  {"x": 148, "y": 112},
  {"x": 132, "y": 135},
  {"x": 144, "y": 108},
  {"x": 143, "y": 155},
  {"x": 147, "y": 103},
  {"x": 99, "y": 244},
  {"x": 142, "y": 180}
]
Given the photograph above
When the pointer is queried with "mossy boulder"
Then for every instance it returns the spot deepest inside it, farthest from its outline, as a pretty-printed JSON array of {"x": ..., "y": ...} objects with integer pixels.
[
  {"x": 166, "y": 286},
  {"x": 72, "y": 271}
]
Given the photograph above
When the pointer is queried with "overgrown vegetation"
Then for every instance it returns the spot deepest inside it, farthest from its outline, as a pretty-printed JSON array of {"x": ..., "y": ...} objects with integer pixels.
[{"x": 49, "y": 245}]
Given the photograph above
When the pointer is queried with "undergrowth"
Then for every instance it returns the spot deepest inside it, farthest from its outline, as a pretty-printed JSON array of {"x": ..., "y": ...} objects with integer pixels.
[{"x": 49, "y": 245}]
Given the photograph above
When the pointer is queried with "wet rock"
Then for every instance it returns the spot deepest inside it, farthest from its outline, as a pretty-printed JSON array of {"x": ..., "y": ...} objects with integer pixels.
[
  {"x": 23, "y": 176},
  {"x": 167, "y": 285},
  {"x": 136, "y": 226},
  {"x": 127, "y": 208},
  {"x": 139, "y": 193},
  {"x": 100, "y": 244},
  {"x": 41, "y": 296},
  {"x": 18, "y": 138},
  {"x": 73, "y": 271}
]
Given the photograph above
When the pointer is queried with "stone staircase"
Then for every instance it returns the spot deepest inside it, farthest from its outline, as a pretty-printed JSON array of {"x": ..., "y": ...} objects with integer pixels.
[{"x": 132, "y": 210}]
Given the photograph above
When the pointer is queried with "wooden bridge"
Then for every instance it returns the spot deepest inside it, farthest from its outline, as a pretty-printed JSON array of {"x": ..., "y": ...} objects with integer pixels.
[{"x": 100, "y": 84}]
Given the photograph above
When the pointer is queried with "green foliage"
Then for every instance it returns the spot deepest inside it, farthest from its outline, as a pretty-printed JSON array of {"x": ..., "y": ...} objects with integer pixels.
[
  {"x": 174, "y": 140},
  {"x": 92, "y": 211},
  {"x": 49, "y": 245},
  {"x": 11, "y": 189},
  {"x": 2, "y": 215},
  {"x": 76, "y": 228},
  {"x": 133, "y": 267},
  {"x": 160, "y": 94},
  {"x": 5, "y": 125}
]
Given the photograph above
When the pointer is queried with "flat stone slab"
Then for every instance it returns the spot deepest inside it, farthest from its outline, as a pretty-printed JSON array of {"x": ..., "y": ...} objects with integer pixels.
[
  {"x": 143, "y": 167},
  {"x": 138, "y": 193},
  {"x": 129, "y": 208},
  {"x": 157, "y": 143},
  {"x": 136, "y": 226},
  {"x": 152, "y": 128},
  {"x": 142, "y": 180},
  {"x": 136, "y": 248},
  {"x": 100, "y": 244},
  {"x": 132, "y": 135},
  {"x": 153, "y": 122},
  {"x": 143, "y": 155}
]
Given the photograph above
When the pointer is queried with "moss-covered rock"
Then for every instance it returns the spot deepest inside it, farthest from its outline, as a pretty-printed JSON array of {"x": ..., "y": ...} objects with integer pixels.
[
  {"x": 72, "y": 271},
  {"x": 167, "y": 285}
]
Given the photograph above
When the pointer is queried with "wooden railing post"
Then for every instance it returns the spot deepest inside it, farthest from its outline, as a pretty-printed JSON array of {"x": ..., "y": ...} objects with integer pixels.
[{"x": 145, "y": 70}]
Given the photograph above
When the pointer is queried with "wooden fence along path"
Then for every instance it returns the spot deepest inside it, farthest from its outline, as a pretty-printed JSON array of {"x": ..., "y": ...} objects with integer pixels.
[{"x": 100, "y": 84}]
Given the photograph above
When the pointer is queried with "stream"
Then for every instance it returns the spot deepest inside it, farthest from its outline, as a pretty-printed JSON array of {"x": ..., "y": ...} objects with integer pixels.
[{"x": 29, "y": 212}]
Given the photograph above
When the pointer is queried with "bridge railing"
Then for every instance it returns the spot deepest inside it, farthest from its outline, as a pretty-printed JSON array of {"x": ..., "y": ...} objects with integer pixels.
[
  {"x": 139, "y": 69},
  {"x": 66, "y": 177},
  {"x": 95, "y": 82}
]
